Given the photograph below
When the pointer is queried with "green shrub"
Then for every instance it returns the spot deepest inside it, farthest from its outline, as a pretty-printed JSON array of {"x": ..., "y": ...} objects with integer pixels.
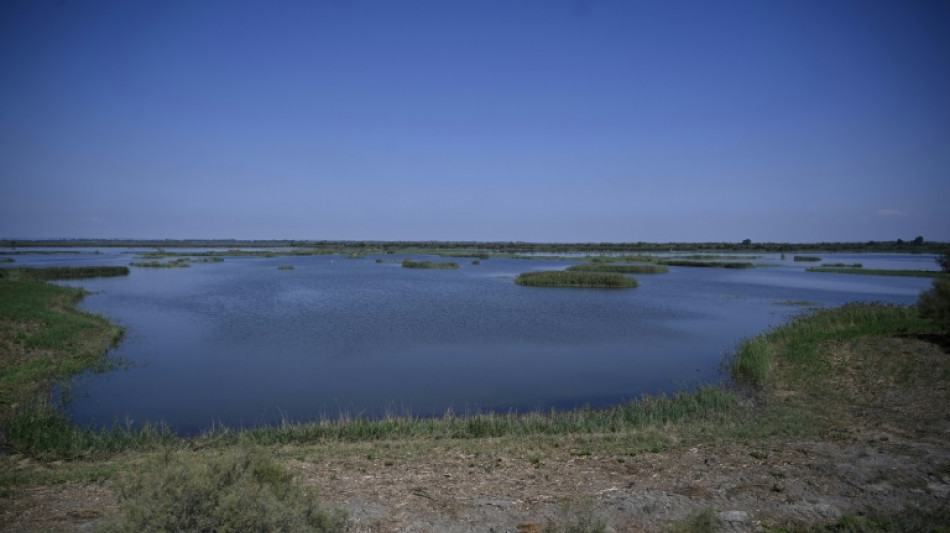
[
  {"x": 935, "y": 303},
  {"x": 237, "y": 491}
]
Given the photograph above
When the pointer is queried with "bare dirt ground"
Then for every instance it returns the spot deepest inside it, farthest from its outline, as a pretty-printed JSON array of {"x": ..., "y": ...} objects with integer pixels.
[{"x": 890, "y": 452}]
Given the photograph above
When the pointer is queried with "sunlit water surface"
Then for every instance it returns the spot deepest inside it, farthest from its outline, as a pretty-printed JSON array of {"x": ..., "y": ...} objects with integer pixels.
[{"x": 243, "y": 343}]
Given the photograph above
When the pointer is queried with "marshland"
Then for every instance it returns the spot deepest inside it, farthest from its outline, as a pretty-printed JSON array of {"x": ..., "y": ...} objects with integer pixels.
[{"x": 366, "y": 357}]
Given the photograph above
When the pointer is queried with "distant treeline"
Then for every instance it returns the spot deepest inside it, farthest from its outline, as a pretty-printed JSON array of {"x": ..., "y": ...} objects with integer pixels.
[{"x": 475, "y": 248}]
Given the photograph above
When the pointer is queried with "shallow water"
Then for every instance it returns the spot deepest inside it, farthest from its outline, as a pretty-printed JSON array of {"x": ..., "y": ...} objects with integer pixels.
[{"x": 242, "y": 343}]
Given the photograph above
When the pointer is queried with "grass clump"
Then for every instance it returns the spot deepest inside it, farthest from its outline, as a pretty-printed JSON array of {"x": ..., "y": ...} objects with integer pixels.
[
  {"x": 707, "y": 264},
  {"x": 806, "y": 258},
  {"x": 409, "y": 263},
  {"x": 842, "y": 265},
  {"x": 704, "y": 521},
  {"x": 642, "y": 268},
  {"x": 560, "y": 278},
  {"x": 175, "y": 263},
  {"x": 237, "y": 490},
  {"x": 875, "y": 272},
  {"x": 48, "y": 273}
]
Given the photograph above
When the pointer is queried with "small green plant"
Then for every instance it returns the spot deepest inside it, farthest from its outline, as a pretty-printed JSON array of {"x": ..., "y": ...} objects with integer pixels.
[{"x": 238, "y": 490}]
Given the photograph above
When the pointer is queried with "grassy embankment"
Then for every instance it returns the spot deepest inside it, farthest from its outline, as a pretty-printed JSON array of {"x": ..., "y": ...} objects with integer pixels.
[
  {"x": 450, "y": 265},
  {"x": 794, "y": 372},
  {"x": 563, "y": 278},
  {"x": 875, "y": 272}
]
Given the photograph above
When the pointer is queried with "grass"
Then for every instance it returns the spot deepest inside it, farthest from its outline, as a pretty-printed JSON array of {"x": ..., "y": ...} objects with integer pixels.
[
  {"x": 236, "y": 490},
  {"x": 842, "y": 265},
  {"x": 175, "y": 263},
  {"x": 708, "y": 264},
  {"x": 409, "y": 263},
  {"x": 642, "y": 268},
  {"x": 806, "y": 258},
  {"x": 44, "y": 338},
  {"x": 48, "y": 273},
  {"x": 876, "y": 272},
  {"x": 561, "y": 278}
]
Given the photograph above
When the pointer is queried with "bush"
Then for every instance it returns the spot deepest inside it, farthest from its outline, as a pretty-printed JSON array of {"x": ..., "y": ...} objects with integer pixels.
[
  {"x": 935, "y": 303},
  {"x": 238, "y": 490}
]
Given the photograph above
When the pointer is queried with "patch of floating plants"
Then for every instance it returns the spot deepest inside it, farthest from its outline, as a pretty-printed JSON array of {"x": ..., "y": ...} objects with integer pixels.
[
  {"x": 562, "y": 278},
  {"x": 177, "y": 263}
]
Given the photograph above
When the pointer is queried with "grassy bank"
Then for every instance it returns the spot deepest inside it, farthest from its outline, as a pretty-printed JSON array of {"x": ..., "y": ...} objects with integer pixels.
[
  {"x": 49, "y": 273},
  {"x": 561, "y": 278},
  {"x": 642, "y": 268}
]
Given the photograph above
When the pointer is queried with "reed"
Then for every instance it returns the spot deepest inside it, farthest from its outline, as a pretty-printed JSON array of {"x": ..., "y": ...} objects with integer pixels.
[
  {"x": 642, "y": 268},
  {"x": 175, "y": 263},
  {"x": 561, "y": 278},
  {"x": 875, "y": 272},
  {"x": 705, "y": 264},
  {"x": 409, "y": 263},
  {"x": 49, "y": 273},
  {"x": 806, "y": 258}
]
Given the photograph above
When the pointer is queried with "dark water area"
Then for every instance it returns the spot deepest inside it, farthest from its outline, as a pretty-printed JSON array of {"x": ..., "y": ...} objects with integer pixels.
[{"x": 242, "y": 343}]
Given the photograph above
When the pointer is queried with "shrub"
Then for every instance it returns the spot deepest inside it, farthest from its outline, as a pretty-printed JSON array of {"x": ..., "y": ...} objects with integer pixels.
[
  {"x": 935, "y": 303},
  {"x": 240, "y": 490}
]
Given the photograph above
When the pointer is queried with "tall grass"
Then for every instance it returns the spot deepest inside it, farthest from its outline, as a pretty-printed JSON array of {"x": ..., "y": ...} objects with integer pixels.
[
  {"x": 876, "y": 272},
  {"x": 409, "y": 263},
  {"x": 706, "y": 264},
  {"x": 797, "y": 344},
  {"x": 560, "y": 278},
  {"x": 806, "y": 258},
  {"x": 175, "y": 263},
  {"x": 642, "y": 268},
  {"x": 48, "y": 273}
]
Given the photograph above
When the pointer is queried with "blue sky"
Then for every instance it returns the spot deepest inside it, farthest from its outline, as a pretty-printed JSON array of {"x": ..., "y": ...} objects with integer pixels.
[{"x": 547, "y": 120}]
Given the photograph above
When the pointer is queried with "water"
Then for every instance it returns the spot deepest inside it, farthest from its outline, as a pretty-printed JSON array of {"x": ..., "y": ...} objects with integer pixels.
[{"x": 242, "y": 343}]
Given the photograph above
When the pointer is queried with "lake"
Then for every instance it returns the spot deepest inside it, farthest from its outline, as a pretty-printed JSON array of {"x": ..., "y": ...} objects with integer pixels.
[{"x": 242, "y": 343}]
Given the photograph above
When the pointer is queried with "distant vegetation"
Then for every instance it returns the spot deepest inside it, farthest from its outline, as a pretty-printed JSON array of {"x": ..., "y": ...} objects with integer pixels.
[
  {"x": 476, "y": 249},
  {"x": 806, "y": 258},
  {"x": 177, "y": 263},
  {"x": 708, "y": 264},
  {"x": 561, "y": 278},
  {"x": 409, "y": 263},
  {"x": 872, "y": 272},
  {"x": 46, "y": 273},
  {"x": 642, "y": 268},
  {"x": 842, "y": 265}
]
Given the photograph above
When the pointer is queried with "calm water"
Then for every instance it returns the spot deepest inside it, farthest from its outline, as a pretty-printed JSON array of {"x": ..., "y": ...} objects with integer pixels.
[{"x": 242, "y": 343}]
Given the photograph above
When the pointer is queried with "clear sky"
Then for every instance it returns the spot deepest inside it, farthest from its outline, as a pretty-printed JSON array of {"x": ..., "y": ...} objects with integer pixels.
[{"x": 548, "y": 120}]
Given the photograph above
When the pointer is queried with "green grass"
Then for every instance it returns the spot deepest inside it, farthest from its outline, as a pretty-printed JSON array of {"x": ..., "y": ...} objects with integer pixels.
[
  {"x": 798, "y": 341},
  {"x": 642, "y": 268},
  {"x": 48, "y": 273},
  {"x": 561, "y": 278},
  {"x": 874, "y": 272},
  {"x": 842, "y": 265},
  {"x": 409, "y": 263},
  {"x": 708, "y": 264},
  {"x": 806, "y": 258},
  {"x": 44, "y": 338},
  {"x": 175, "y": 263}
]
